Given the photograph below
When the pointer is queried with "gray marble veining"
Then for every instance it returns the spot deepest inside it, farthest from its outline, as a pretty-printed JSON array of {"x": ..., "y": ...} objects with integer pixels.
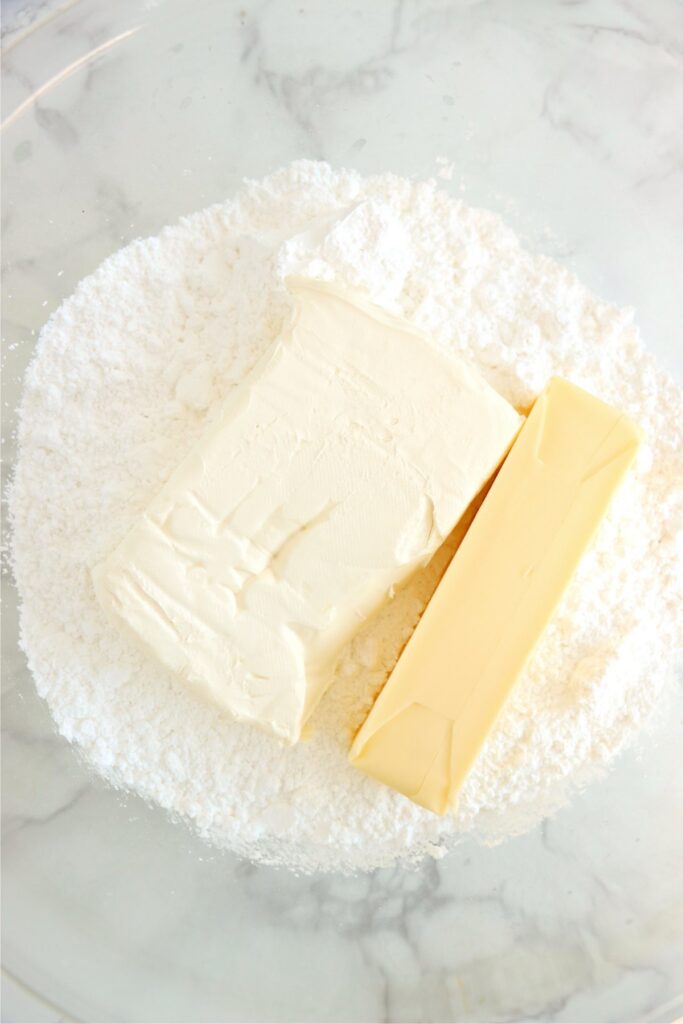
[{"x": 121, "y": 117}]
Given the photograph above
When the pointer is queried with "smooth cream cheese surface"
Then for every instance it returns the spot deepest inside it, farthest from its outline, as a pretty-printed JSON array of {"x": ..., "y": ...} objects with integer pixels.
[{"x": 334, "y": 471}]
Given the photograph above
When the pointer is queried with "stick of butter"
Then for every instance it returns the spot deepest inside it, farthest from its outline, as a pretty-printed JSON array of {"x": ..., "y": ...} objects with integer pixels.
[
  {"x": 430, "y": 721},
  {"x": 333, "y": 472}
]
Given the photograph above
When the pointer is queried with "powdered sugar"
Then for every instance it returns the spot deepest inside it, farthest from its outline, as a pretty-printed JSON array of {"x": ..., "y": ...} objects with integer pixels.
[{"x": 126, "y": 376}]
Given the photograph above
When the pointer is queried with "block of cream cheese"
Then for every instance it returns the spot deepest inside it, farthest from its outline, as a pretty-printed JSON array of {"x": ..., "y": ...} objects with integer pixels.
[
  {"x": 333, "y": 472},
  {"x": 432, "y": 717}
]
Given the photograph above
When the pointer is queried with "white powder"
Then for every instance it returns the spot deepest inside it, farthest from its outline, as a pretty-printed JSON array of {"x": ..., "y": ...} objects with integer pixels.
[{"x": 125, "y": 378}]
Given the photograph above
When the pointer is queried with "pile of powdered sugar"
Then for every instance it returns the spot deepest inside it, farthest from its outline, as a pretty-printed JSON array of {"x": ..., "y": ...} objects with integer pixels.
[{"x": 126, "y": 376}]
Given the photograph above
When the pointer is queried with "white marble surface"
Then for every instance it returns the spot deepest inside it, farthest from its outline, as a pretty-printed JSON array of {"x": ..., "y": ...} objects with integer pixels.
[{"x": 565, "y": 116}]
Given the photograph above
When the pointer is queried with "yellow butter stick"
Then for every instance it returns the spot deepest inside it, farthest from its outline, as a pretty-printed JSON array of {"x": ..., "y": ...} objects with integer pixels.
[{"x": 497, "y": 596}]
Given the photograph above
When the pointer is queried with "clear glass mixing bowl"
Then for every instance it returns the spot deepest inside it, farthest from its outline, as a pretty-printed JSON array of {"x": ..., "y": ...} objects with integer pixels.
[{"x": 120, "y": 117}]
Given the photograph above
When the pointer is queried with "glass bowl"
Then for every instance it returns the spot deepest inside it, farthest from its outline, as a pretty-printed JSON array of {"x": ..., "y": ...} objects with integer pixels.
[{"x": 119, "y": 118}]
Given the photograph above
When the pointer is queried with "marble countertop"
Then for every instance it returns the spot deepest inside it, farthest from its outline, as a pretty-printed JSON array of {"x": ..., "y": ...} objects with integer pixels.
[{"x": 565, "y": 117}]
